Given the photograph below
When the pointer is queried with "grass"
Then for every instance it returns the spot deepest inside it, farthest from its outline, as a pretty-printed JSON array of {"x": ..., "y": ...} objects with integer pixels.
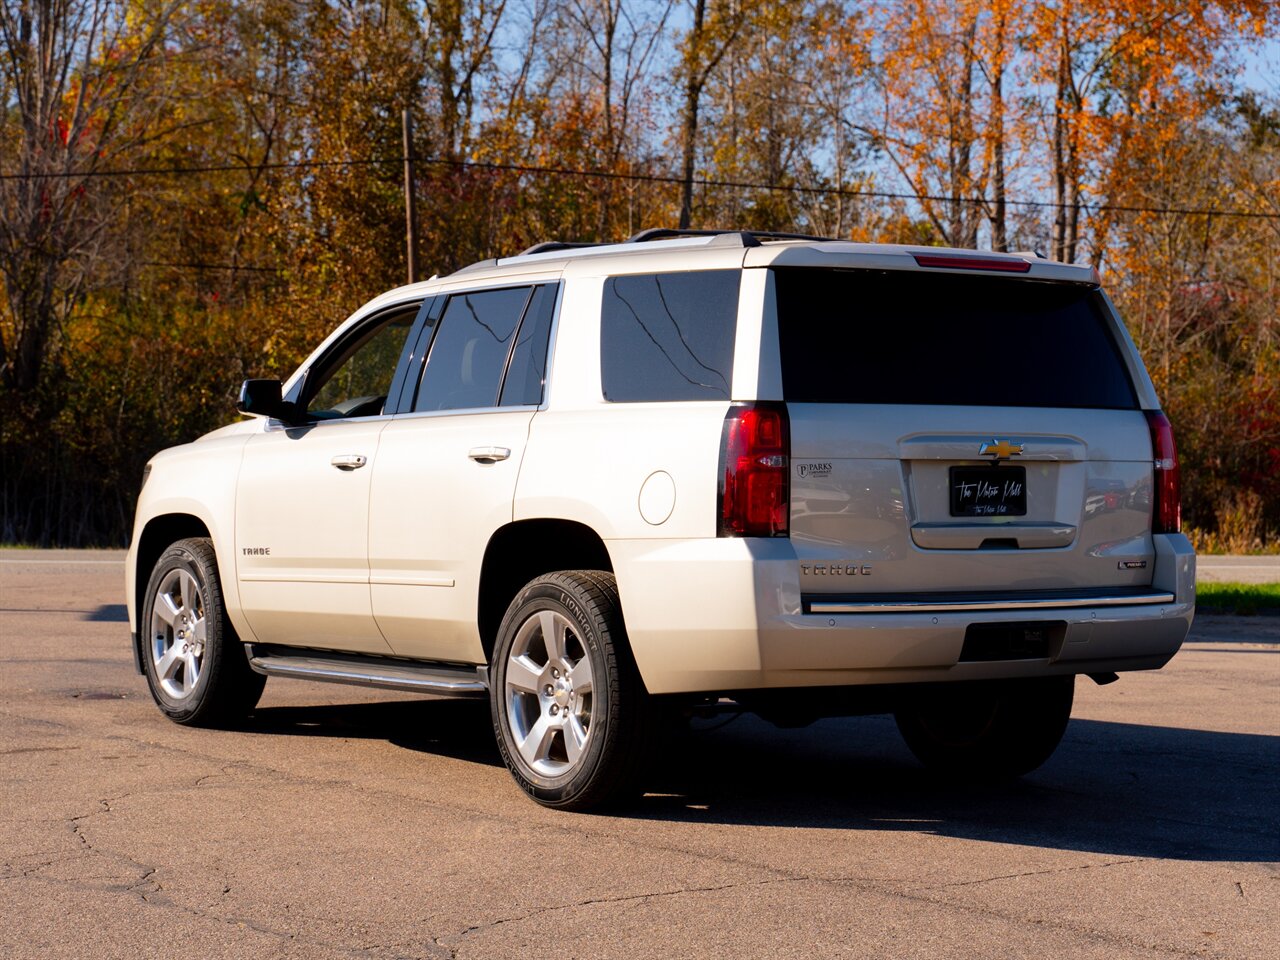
[
  {"x": 1246, "y": 598},
  {"x": 1253, "y": 543}
]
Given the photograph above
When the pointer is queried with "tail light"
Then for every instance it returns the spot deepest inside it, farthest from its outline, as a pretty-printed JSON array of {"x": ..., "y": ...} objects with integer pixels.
[
  {"x": 755, "y": 458},
  {"x": 1166, "y": 501},
  {"x": 964, "y": 261}
]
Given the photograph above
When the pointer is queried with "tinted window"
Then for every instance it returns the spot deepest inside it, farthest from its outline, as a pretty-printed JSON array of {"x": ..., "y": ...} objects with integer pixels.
[
  {"x": 877, "y": 337},
  {"x": 669, "y": 336},
  {"x": 354, "y": 382},
  {"x": 467, "y": 359},
  {"x": 527, "y": 371},
  {"x": 409, "y": 372}
]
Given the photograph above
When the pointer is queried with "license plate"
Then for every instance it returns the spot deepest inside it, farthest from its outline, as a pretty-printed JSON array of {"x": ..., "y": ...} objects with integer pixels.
[{"x": 988, "y": 491}]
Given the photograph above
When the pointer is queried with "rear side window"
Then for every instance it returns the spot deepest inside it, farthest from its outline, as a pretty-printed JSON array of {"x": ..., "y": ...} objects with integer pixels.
[
  {"x": 469, "y": 354},
  {"x": 668, "y": 336},
  {"x": 906, "y": 337}
]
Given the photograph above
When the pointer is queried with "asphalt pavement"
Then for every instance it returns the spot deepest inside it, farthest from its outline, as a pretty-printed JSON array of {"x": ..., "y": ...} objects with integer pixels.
[
  {"x": 1259, "y": 569},
  {"x": 347, "y": 823}
]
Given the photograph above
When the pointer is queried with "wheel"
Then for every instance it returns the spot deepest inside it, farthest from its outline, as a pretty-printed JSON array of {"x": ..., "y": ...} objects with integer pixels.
[
  {"x": 569, "y": 708},
  {"x": 988, "y": 730},
  {"x": 195, "y": 664}
]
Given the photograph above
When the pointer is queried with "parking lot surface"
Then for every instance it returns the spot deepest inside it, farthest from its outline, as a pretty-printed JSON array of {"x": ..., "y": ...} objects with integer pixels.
[
  {"x": 345, "y": 823},
  {"x": 1260, "y": 569}
]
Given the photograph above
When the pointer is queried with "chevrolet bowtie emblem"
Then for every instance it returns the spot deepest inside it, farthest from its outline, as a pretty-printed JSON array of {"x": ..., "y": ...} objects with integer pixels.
[{"x": 1000, "y": 449}]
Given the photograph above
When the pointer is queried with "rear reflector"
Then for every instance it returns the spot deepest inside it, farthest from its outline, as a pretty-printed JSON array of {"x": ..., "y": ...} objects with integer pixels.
[
  {"x": 1000, "y": 265},
  {"x": 755, "y": 458},
  {"x": 1166, "y": 489}
]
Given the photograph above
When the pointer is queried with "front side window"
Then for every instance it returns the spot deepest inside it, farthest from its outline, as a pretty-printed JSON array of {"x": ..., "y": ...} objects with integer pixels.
[
  {"x": 469, "y": 355},
  {"x": 669, "y": 336},
  {"x": 355, "y": 381}
]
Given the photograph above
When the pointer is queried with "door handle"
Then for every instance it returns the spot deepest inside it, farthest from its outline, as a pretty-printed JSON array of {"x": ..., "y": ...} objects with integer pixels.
[
  {"x": 489, "y": 454},
  {"x": 349, "y": 461}
]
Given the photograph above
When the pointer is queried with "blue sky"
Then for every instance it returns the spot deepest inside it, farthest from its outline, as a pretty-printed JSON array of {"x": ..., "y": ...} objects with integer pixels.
[{"x": 1262, "y": 67}]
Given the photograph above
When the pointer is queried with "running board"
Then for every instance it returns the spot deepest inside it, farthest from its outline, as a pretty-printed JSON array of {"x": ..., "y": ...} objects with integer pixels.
[{"x": 440, "y": 679}]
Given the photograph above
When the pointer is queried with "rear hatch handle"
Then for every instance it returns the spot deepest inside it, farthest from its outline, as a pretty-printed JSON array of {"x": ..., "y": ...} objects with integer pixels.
[{"x": 971, "y": 536}]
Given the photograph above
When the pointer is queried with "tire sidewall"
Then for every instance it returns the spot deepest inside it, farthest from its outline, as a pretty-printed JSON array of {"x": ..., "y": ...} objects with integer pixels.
[
  {"x": 559, "y": 598},
  {"x": 181, "y": 557}
]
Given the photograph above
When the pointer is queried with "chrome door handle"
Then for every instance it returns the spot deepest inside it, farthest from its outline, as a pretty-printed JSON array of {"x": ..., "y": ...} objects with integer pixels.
[
  {"x": 349, "y": 461},
  {"x": 488, "y": 454}
]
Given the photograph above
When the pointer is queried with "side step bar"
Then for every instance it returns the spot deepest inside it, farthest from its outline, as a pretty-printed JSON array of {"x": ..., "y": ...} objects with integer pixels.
[{"x": 441, "y": 679}]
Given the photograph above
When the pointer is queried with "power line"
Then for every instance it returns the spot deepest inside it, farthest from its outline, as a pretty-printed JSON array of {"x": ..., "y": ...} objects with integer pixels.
[{"x": 635, "y": 178}]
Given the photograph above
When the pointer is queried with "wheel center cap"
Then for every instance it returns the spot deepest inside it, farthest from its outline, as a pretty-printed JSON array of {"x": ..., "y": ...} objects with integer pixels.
[{"x": 563, "y": 693}]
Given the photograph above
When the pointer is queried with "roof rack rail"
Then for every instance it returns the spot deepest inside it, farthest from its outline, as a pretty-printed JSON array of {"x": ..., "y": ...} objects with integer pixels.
[
  {"x": 744, "y": 238},
  {"x": 749, "y": 238},
  {"x": 547, "y": 246}
]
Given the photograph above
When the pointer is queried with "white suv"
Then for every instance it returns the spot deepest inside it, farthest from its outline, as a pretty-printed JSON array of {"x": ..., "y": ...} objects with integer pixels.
[{"x": 602, "y": 484}]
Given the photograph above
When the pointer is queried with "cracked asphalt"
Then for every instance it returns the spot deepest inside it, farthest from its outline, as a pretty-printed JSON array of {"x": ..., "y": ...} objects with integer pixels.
[{"x": 346, "y": 823}]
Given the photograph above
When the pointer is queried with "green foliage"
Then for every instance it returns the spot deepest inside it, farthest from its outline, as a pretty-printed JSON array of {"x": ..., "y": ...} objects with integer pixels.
[{"x": 1243, "y": 598}]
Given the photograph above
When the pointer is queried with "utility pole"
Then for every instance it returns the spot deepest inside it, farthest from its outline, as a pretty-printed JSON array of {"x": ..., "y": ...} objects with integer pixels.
[{"x": 410, "y": 207}]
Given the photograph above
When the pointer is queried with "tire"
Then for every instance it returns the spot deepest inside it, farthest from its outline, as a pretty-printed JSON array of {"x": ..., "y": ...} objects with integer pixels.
[
  {"x": 988, "y": 731},
  {"x": 195, "y": 664},
  {"x": 569, "y": 746}
]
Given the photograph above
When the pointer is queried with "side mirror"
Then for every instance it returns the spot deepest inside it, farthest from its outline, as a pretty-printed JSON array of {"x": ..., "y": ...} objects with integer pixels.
[{"x": 261, "y": 398}]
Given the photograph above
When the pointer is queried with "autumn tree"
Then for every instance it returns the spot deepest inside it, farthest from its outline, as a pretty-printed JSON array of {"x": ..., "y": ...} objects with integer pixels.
[
  {"x": 1123, "y": 75},
  {"x": 710, "y": 36},
  {"x": 611, "y": 47},
  {"x": 764, "y": 125},
  {"x": 944, "y": 121},
  {"x": 71, "y": 106},
  {"x": 196, "y": 192}
]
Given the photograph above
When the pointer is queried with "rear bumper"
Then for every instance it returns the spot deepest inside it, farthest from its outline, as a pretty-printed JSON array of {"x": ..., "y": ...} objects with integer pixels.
[{"x": 715, "y": 615}]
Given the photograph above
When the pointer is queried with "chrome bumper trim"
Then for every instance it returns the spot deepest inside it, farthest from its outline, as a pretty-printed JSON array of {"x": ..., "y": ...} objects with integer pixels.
[{"x": 926, "y": 606}]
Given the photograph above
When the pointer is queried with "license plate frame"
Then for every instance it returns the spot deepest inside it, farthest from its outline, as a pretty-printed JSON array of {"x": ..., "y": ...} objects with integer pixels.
[{"x": 997, "y": 491}]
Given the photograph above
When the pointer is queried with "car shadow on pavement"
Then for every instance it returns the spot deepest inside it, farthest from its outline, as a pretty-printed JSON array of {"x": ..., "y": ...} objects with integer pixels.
[
  {"x": 1113, "y": 788},
  {"x": 449, "y": 728}
]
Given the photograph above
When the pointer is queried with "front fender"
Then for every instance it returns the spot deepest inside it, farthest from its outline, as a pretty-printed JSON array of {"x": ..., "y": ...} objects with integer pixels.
[{"x": 197, "y": 480}]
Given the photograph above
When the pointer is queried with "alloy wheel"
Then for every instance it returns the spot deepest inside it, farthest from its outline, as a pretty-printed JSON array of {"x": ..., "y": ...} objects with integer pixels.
[
  {"x": 548, "y": 687},
  {"x": 178, "y": 631}
]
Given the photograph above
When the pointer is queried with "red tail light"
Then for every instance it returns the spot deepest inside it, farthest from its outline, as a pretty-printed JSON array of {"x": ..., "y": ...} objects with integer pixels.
[
  {"x": 1166, "y": 501},
  {"x": 755, "y": 458}
]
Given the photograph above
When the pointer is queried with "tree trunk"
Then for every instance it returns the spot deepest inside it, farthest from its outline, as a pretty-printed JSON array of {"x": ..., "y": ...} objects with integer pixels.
[
  {"x": 1058, "y": 243},
  {"x": 999, "y": 233},
  {"x": 969, "y": 214},
  {"x": 689, "y": 121},
  {"x": 610, "y": 144},
  {"x": 446, "y": 23}
]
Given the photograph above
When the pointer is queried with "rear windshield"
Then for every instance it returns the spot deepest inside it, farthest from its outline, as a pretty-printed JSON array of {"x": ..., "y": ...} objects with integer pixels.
[{"x": 862, "y": 336}]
